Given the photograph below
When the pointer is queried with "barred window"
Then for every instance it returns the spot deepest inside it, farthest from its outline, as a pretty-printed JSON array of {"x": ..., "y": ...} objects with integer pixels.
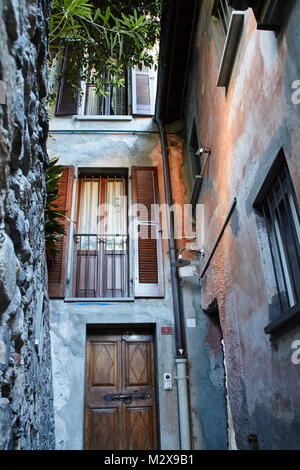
[{"x": 280, "y": 211}]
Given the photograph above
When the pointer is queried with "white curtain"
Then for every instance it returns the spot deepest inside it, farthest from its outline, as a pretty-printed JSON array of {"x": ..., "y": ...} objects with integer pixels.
[{"x": 115, "y": 221}]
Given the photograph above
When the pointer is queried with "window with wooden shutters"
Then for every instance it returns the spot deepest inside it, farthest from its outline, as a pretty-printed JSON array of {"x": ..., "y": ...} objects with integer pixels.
[
  {"x": 57, "y": 270},
  {"x": 143, "y": 92},
  {"x": 100, "y": 264},
  {"x": 148, "y": 263},
  {"x": 67, "y": 100}
]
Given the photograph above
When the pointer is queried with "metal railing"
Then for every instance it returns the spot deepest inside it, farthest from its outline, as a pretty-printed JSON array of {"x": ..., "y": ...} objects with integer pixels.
[
  {"x": 100, "y": 266},
  {"x": 114, "y": 103}
]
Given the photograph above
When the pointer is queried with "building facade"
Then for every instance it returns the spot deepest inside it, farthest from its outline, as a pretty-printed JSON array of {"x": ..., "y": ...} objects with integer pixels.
[
  {"x": 221, "y": 148},
  {"x": 239, "y": 103}
]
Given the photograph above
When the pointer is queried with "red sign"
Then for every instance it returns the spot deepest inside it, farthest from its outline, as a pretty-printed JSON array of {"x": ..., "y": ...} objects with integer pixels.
[{"x": 166, "y": 330}]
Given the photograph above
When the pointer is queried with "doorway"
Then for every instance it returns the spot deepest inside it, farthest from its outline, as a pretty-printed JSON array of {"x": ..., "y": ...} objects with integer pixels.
[{"x": 120, "y": 392}]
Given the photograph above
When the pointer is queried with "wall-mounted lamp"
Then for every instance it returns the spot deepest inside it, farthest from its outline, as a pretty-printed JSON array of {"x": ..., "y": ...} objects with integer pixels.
[
  {"x": 180, "y": 262},
  {"x": 202, "y": 150}
]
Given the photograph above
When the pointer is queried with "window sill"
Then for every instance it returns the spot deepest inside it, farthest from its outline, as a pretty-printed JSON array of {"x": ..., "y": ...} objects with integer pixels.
[
  {"x": 230, "y": 48},
  {"x": 84, "y": 300},
  {"x": 102, "y": 118},
  {"x": 283, "y": 319}
]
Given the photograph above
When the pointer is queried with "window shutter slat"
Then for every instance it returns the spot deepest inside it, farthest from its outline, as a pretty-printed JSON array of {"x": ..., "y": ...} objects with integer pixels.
[
  {"x": 57, "y": 270},
  {"x": 147, "y": 237},
  {"x": 66, "y": 100},
  {"x": 143, "y": 93}
]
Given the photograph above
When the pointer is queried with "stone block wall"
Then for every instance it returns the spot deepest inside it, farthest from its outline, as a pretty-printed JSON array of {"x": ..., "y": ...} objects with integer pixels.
[{"x": 26, "y": 400}]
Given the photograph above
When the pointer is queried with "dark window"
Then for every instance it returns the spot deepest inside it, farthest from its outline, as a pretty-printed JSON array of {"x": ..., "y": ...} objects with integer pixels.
[
  {"x": 231, "y": 23},
  {"x": 67, "y": 98},
  {"x": 279, "y": 207},
  {"x": 269, "y": 14},
  {"x": 222, "y": 11}
]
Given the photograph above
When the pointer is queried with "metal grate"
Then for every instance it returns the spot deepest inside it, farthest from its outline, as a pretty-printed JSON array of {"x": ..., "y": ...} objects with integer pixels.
[{"x": 281, "y": 215}]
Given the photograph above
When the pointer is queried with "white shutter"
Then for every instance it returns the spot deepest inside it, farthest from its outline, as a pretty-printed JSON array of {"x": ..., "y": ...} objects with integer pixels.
[{"x": 143, "y": 91}]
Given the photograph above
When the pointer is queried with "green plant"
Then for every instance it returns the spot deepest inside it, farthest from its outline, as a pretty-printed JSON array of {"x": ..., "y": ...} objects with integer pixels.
[
  {"x": 54, "y": 226},
  {"x": 109, "y": 37}
]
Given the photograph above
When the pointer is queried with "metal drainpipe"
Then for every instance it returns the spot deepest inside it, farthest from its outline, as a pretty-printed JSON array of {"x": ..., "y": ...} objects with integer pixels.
[{"x": 181, "y": 353}]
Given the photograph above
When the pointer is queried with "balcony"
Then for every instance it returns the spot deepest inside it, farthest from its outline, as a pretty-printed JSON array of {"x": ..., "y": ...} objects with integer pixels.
[{"x": 100, "y": 267}]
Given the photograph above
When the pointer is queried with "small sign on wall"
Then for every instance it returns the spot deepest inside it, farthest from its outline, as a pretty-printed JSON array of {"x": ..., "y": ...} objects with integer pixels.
[{"x": 166, "y": 330}]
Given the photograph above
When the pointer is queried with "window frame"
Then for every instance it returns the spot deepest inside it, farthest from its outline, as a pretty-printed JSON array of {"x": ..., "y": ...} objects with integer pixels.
[
  {"x": 289, "y": 297},
  {"x": 84, "y": 104},
  {"x": 232, "y": 26},
  {"x": 99, "y": 172}
]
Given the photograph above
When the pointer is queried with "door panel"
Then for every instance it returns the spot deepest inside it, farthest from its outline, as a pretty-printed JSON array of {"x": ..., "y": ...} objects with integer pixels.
[
  {"x": 139, "y": 427},
  {"x": 104, "y": 364},
  {"x": 102, "y": 429},
  {"x": 120, "y": 408},
  {"x": 138, "y": 365}
]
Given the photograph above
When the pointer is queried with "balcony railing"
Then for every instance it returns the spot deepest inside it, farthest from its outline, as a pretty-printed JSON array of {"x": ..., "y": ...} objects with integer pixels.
[
  {"x": 114, "y": 103},
  {"x": 100, "y": 266}
]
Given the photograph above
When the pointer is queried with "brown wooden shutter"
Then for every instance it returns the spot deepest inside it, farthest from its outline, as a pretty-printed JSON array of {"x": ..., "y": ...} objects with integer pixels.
[
  {"x": 57, "y": 271},
  {"x": 67, "y": 101},
  {"x": 147, "y": 234}
]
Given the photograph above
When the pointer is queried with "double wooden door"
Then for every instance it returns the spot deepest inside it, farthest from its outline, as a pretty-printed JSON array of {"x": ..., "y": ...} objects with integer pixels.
[{"x": 120, "y": 405}]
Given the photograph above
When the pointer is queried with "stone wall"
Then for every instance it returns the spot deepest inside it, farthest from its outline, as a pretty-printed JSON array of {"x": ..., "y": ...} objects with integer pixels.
[{"x": 26, "y": 404}]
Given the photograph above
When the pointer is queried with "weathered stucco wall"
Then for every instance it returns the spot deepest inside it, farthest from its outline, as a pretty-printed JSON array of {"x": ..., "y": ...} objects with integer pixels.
[
  {"x": 203, "y": 337},
  {"x": 245, "y": 127},
  {"x": 26, "y": 400},
  {"x": 123, "y": 146}
]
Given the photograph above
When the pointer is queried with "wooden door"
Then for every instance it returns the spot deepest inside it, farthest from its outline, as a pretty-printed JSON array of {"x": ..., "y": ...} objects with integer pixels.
[{"x": 120, "y": 408}]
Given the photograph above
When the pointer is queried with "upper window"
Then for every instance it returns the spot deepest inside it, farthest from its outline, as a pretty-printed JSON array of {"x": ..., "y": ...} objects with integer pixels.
[
  {"x": 278, "y": 204},
  {"x": 136, "y": 96},
  {"x": 222, "y": 10},
  {"x": 269, "y": 14},
  {"x": 231, "y": 23},
  {"x": 113, "y": 103}
]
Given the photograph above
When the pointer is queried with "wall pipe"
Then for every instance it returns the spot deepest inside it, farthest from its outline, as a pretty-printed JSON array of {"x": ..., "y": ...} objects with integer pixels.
[{"x": 181, "y": 353}]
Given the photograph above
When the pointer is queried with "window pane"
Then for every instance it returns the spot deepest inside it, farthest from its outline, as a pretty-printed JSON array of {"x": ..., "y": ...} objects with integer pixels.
[{"x": 289, "y": 237}]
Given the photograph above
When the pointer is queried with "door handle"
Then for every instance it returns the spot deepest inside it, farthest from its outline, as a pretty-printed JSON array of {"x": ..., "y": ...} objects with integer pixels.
[{"x": 127, "y": 397}]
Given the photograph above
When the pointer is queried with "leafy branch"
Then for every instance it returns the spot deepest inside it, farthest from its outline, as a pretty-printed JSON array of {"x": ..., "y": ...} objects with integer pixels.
[{"x": 107, "y": 40}]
